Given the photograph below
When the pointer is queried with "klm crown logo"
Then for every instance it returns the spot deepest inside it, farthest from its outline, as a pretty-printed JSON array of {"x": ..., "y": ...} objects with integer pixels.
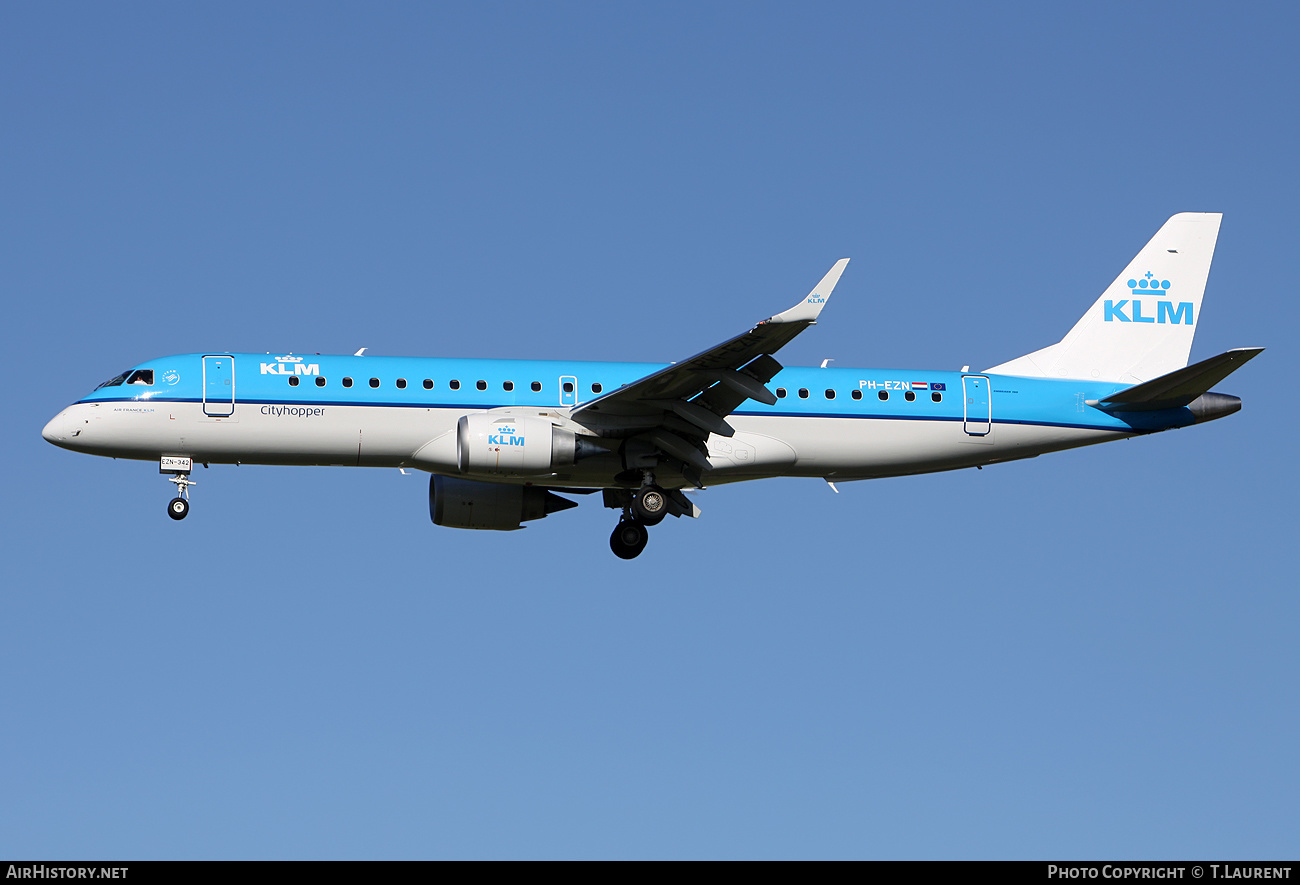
[
  {"x": 1144, "y": 291},
  {"x": 1148, "y": 285}
]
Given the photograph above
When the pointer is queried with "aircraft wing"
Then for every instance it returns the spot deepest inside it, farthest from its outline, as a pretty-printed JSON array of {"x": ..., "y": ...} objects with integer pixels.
[{"x": 677, "y": 407}]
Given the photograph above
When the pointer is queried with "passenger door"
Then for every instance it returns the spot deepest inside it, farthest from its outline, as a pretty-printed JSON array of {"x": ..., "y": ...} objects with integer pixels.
[
  {"x": 218, "y": 386},
  {"x": 978, "y": 410}
]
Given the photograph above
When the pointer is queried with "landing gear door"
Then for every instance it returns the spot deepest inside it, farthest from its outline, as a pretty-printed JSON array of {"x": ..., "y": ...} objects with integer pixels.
[
  {"x": 218, "y": 386},
  {"x": 978, "y": 405},
  {"x": 568, "y": 390}
]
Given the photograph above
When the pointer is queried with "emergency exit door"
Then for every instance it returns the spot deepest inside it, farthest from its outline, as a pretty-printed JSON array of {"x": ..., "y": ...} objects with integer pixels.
[{"x": 568, "y": 390}]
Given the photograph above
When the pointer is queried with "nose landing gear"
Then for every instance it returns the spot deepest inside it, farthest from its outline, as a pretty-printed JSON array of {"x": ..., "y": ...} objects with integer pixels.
[{"x": 180, "y": 506}]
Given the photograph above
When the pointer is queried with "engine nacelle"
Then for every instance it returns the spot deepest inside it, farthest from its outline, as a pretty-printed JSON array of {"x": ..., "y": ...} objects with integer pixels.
[
  {"x": 466, "y": 504},
  {"x": 513, "y": 445}
]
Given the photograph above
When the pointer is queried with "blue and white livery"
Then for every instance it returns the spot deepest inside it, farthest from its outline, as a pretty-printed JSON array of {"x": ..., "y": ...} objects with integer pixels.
[{"x": 501, "y": 438}]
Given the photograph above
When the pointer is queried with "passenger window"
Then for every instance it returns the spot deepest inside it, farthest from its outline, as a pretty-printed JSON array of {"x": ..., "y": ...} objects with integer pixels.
[
  {"x": 374, "y": 382},
  {"x": 401, "y": 383},
  {"x": 320, "y": 380},
  {"x": 507, "y": 385},
  {"x": 780, "y": 393},
  {"x": 428, "y": 384},
  {"x": 596, "y": 387},
  {"x": 481, "y": 385},
  {"x": 910, "y": 397},
  {"x": 857, "y": 394},
  {"x": 803, "y": 393},
  {"x": 454, "y": 384},
  {"x": 537, "y": 387},
  {"x": 141, "y": 376},
  {"x": 936, "y": 397},
  {"x": 830, "y": 394},
  {"x": 884, "y": 395},
  {"x": 568, "y": 387},
  {"x": 347, "y": 382},
  {"x": 293, "y": 380}
]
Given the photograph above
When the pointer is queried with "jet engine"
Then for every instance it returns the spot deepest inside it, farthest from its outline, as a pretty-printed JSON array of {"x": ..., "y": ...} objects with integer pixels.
[
  {"x": 517, "y": 445},
  {"x": 466, "y": 504}
]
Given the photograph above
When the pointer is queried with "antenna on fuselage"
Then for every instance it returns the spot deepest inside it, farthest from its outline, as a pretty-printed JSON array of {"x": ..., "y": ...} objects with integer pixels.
[{"x": 360, "y": 352}]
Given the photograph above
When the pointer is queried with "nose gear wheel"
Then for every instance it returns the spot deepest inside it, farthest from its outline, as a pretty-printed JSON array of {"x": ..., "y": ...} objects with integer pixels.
[{"x": 179, "y": 507}]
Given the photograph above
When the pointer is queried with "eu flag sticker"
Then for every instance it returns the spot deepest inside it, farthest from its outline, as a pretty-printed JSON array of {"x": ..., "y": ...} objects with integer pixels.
[{"x": 936, "y": 385}]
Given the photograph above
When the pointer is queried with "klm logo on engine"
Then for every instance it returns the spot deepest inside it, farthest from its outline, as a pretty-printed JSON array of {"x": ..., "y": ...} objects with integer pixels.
[
  {"x": 1139, "y": 307},
  {"x": 505, "y": 436},
  {"x": 282, "y": 364}
]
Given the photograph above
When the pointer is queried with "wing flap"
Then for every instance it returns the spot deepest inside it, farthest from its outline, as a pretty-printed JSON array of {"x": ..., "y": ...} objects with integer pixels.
[
  {"x": 681, "y": 449},
  {"x": 696, "y": 415}
]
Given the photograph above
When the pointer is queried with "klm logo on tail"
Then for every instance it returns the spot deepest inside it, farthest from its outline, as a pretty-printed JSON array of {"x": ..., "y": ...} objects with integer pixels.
[{"x": 1165, "y": 312}]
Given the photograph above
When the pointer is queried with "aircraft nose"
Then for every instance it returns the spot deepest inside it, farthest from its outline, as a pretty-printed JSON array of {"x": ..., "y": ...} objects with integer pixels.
[{"x": 59, "y": 429}]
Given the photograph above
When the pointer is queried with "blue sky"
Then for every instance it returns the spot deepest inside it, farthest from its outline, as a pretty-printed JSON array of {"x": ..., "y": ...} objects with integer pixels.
[{"x": 1090, "y": 654}]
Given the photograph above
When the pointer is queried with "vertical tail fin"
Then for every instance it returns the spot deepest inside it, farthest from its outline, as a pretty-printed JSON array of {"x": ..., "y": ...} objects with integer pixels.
[{"x": 1142, "y": 325}]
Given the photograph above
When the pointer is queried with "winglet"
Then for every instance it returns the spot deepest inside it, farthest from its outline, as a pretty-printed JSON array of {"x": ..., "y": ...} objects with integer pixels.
[{"x": 806, "y": 311}]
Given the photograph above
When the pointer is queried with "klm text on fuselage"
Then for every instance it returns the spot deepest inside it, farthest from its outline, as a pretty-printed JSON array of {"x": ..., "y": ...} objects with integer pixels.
[{"x": 290, "y": 365}]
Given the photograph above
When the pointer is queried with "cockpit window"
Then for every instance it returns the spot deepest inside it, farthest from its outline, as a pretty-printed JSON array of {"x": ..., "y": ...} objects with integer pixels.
[
  {"x": 141, "y": 376},
  {"x": 115, "y": 382}
]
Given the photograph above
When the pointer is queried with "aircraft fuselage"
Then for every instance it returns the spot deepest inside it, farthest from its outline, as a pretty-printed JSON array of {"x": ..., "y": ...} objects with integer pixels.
[{"x": 371, "y": 411}]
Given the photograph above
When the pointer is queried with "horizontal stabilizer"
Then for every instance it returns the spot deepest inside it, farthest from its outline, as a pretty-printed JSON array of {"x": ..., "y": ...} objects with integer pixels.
[{"x": 1179, "y": 387}]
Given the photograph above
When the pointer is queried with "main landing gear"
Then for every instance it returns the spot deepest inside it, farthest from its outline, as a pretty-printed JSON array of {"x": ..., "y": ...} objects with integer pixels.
[
  {"x": 648, "y": 507},
  {"x": 179, "y": 507},
  {"x": 629, "y": 538}
]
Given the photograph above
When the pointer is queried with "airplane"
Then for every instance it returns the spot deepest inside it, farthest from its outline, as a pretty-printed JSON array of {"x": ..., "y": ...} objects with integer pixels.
[{"x": 503, "y": 439}]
